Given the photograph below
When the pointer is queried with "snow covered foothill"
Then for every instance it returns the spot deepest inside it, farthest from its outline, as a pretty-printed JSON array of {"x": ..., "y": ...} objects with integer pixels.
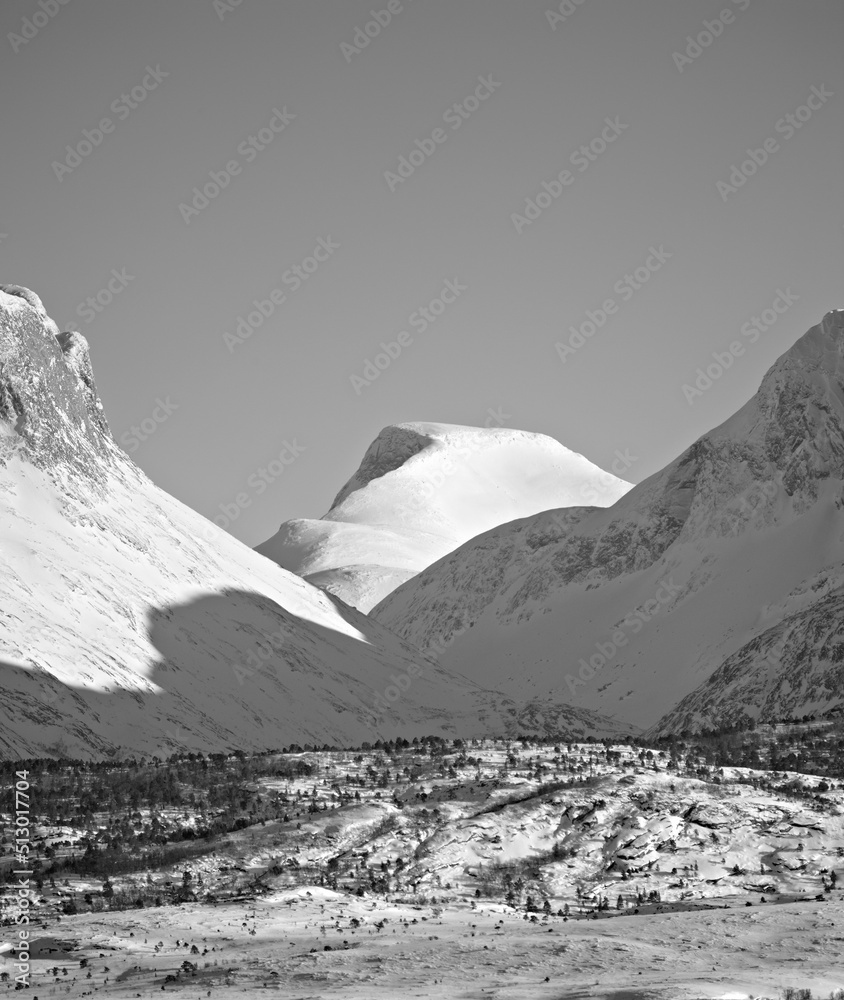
[{"x": 423, "y": 489}]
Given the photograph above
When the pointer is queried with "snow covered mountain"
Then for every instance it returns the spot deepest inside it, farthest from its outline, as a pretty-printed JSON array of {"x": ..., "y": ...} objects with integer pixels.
[
  {"x": 423, "y": 489},
  {"x": 130, "y": 624},
  {"x": 710, "y": 592}
]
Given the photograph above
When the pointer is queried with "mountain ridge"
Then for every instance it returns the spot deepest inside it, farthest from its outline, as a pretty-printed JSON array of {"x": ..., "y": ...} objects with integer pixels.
[{"x": 745, "y": 515}]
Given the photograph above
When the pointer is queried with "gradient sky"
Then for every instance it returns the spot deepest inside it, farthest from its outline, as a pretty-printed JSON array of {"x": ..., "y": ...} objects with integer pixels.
[{"x": 162, "y": 335}]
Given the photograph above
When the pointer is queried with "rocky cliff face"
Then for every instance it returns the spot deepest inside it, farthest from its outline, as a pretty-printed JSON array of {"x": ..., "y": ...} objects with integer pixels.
[
  {"x": 48, "y": 398},
  {"x": 631, "y": 608}
]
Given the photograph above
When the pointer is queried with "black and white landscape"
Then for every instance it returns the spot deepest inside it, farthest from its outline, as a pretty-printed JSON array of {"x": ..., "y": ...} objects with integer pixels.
[
  {"x": 707, "y": 596},
  {"x": 422, "y": 500}
]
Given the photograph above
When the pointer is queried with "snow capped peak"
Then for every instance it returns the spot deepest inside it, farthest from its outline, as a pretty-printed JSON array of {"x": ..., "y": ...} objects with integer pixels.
[
  {"x": 399, "y": 444},
  {"x": 790, "y": 435},
  {"x": 394, "y": 445},
  {"x": 766, "y": 462},
  {"x": 421, "y": 490},
  {"x": 28, "y": 297},
  {"x": 819, "y": 353}
]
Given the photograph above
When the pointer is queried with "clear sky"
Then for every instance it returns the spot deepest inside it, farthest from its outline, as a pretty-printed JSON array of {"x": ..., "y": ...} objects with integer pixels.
[{"x": 107, "y": 212}]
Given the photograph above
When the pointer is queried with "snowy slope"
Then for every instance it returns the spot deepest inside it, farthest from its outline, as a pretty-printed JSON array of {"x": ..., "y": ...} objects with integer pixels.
[
  {"x": 421, "y": 490},
  {"x": 793, "y": 668},
  {"x": 130, "y": 623},
  {"x": 683, "y": 572}
]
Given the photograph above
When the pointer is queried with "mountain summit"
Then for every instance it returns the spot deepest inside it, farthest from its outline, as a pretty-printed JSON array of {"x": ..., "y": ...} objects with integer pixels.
[{"x": 422, "y": 490}]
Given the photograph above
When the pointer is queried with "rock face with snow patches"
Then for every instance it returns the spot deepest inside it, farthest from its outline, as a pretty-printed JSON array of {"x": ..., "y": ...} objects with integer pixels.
[
  {"x": 709, "y": 593},
  {"x": 130, "y": 624},
  {"x": 65, "y": 424},
  {"x": 421, "y": 490}
]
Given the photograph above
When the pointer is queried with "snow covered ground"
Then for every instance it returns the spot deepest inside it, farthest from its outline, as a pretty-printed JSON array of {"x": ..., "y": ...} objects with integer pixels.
[
  {"x": 277, "y": 946},
  {"x": 636, "y": 827}
]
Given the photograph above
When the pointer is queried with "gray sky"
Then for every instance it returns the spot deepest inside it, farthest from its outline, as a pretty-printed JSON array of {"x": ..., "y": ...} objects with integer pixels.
[{"x": 73, "y": 222}]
